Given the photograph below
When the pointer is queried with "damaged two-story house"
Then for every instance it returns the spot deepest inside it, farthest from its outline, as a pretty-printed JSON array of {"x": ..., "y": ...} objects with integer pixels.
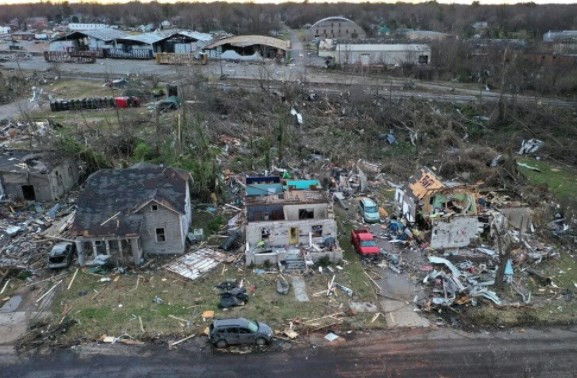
[
  {"x": 129, "y": 213},
  {"x": 291, "y": 224},
  {"x": 36, "y": 176},
  {"x": 449, "y": 209}
]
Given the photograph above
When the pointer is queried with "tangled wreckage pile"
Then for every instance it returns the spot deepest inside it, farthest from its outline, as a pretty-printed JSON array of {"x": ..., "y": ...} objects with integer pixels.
[
  {"x": 27, "y": 234},
  {"x": 458, "y": 242}
]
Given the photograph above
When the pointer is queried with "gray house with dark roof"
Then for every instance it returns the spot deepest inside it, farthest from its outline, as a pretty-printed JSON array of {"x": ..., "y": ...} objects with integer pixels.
[{"x": 129, "y": 213}]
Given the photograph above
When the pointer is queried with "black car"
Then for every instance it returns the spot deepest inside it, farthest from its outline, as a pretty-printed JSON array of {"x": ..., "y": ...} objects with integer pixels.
[{"x": 224, "y": 332}]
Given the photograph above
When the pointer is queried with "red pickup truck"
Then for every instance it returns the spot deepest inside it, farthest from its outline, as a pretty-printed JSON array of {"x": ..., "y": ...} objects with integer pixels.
[{"x": 364, "y": 243}]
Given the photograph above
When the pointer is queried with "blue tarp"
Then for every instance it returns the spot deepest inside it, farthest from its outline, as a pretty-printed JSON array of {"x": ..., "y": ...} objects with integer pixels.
[
  {"x": 262, "y": 189},
  {"x": 302, "y": 184}
]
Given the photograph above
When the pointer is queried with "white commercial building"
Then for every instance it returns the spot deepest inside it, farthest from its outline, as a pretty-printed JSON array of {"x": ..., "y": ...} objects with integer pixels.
[
  {"x": 79, "y": 26},
  {"x": 378, "y": 54}
]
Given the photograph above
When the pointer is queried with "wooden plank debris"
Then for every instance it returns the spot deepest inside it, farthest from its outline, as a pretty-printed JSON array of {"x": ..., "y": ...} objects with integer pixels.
[
  {"x": 49, "y": 291},
  {"x": 72, "y": 280},
  {"x": 5, "y": 286},
  {"x": 182, "y": 340}
]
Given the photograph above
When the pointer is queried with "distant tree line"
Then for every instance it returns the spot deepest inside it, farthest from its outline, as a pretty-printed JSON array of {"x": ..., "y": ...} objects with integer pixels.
[{"x": 504, "y": 21}]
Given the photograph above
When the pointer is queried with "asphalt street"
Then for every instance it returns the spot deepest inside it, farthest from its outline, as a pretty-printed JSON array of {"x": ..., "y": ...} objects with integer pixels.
[{"x": 407, "y": 353}]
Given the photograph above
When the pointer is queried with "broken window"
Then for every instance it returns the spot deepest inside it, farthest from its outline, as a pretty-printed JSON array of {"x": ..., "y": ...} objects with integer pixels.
[
  {"x": 28, "y": 192},
  {"x": 100, "y": 247},
  {"x": 317, "y": 230},
  {"x": 160, "y": 236},
  {"x": 423, "y": 59},
  {"x": 264, "y": 233},
  {"x": 154, "y": 207},
  {"x": 306, "y": 213}
]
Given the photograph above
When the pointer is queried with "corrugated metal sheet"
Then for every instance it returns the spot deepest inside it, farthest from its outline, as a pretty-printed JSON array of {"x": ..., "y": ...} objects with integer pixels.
[
  {"x": 334, "y": 18},
  {"x": 197, "y": 35},
  {"x": 105, "y": 34},
  {"x": 250, "y": 40},
  {"x": 154, "y": 37},
  {"x": 196, "y": 264}
]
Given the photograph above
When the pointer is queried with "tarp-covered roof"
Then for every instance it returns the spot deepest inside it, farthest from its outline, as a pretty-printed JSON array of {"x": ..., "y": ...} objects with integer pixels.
[
  {"x": 104, "y": 34},
  {"x": 251, "y": 40},
  {"x": 109, "y": 203}
]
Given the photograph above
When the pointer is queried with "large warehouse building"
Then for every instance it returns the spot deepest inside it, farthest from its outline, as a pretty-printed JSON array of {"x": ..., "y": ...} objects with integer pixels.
[
  {"x": 378, "y": 54},
  {"x": 336, "y": 27}
]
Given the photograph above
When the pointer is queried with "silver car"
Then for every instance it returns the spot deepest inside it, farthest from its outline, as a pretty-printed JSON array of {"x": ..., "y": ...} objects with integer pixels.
[
  {"x": 224, "y": 332},
  {"x": 61, "y": 255}
]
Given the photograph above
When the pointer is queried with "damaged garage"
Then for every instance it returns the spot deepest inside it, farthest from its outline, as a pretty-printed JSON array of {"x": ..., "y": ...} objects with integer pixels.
[
  {"x": 248, "y": 48},
  {"x": 35, "y": 176}
]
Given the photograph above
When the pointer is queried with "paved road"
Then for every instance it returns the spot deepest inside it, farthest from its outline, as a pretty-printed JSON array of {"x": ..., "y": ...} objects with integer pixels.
[
  {"x": 413, "y": 353},
  {"x": 318, "y": 78}
]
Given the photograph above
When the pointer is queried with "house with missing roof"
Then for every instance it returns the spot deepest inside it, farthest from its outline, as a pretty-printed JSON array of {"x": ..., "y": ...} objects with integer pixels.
[
  {"x": 449, "y": 209},
  {"x": 133, "y": 212},
  {"x": 36, "y": 176},
  {"x": 289, "y": 225}
]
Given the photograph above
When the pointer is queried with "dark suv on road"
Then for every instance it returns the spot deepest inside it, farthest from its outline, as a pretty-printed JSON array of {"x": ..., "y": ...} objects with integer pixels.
[{"x": 224, "y": 332}]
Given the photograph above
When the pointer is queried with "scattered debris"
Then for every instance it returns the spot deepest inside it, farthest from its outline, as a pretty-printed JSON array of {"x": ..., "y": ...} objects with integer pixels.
[
  {"x": 331, "y": 337},
  {"x": 530, "y": 146},
  {"x": 282, "y": 285},
  {"x": 196, "y": 264}
]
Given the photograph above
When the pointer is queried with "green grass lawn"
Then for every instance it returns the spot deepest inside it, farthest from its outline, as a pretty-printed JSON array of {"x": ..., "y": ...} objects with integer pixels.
[
  {"x": 560, "y": 179},
  {"x": 113, "y": 308}
]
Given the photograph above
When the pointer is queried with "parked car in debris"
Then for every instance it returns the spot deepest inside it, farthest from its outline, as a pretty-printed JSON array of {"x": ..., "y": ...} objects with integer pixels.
[
  {"x": 60, "y": 255},
  {"x": 364, "y": 242},
  {"x": 235, "y": 331},
  {"x": 369, "y": 210}
]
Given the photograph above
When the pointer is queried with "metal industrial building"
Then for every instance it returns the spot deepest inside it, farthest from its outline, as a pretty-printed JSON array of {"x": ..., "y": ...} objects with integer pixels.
[{"x": 378, "y": 54}]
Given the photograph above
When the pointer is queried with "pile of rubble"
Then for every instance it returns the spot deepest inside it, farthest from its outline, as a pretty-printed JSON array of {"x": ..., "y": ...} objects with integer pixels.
[
  {"x": 24, "y": 131},
  {"x": 25, "y": 234}
]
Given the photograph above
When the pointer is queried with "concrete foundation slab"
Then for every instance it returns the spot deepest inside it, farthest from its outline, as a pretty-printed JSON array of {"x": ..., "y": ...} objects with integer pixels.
[
  {"x": 300, "y": 289},
  {"x": 401, "y": 314}
]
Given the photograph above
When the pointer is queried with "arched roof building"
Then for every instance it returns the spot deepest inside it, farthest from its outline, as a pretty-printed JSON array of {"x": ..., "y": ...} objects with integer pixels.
[{"x": 336, "y": 27}]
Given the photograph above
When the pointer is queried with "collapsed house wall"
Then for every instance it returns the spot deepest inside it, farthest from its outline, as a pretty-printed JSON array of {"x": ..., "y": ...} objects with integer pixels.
[
  {"x": 303, "y": 212},
  {"x": 455, "y": 233},
  {"x": 405, "y": 204},
  {"x": 279, "y": 255},
  {"x": 287, "y": 232},
  {"x": 42, "y": 187}
]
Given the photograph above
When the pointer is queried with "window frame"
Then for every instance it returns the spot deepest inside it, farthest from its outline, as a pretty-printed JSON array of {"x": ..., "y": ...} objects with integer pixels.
[{"x": 163, "y": 234}]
